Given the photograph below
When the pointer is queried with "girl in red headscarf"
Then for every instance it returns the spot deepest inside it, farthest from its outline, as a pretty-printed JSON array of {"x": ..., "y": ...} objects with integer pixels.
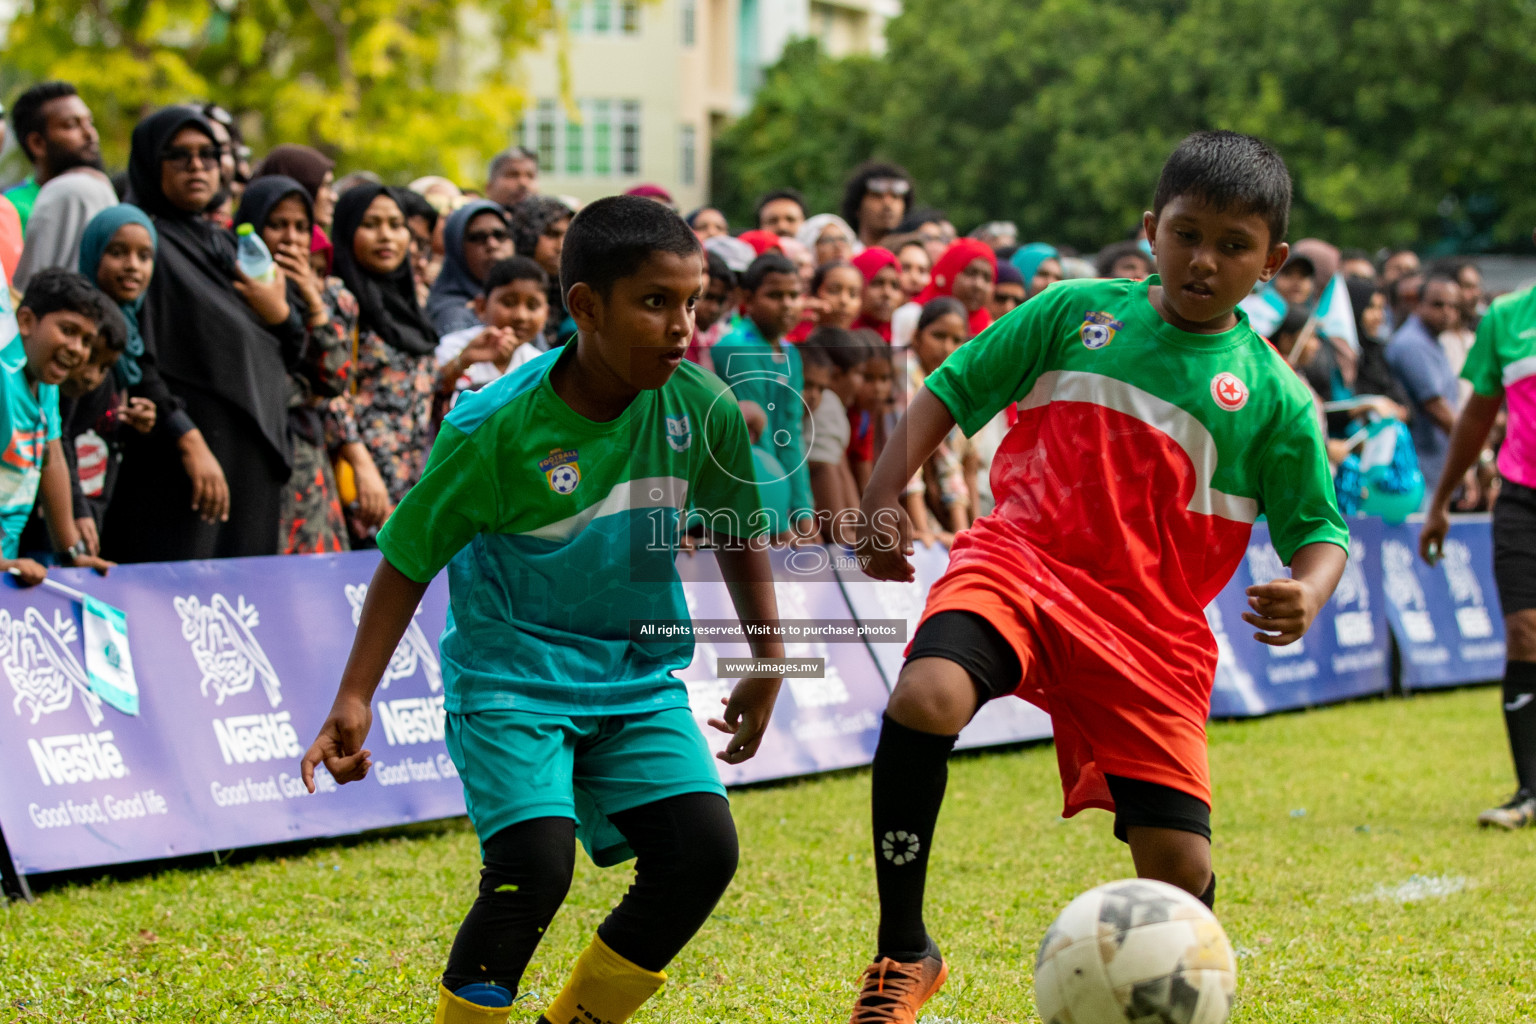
[
  {"x": 965, "y": 272},
  {"x": 882, "y": 290}
]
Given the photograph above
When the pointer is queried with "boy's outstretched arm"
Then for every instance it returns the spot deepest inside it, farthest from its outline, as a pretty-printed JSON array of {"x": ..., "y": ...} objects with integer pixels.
[
  {"x": 749, "y": 577},
  {"x": 387, "y": 610},
  {"x": 1287, "y": 606},
  {"x": 885, "y": 532}
]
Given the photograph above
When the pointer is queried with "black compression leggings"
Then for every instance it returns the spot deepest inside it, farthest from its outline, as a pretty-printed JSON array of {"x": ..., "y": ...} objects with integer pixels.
[{"x": 685, "y": 848}]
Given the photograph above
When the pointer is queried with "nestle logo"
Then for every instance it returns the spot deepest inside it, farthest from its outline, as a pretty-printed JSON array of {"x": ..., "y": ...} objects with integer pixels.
[
  {"x": 411, "y": 720},
  {"x": 78, "y": 757},
  {"x": 246, "y": 739}
]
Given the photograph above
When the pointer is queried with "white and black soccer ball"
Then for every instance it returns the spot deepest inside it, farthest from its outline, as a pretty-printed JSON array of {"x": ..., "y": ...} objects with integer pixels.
[
  {"x": 564, "y": 479},
  {"x": 1096, "y": 335},
  {"x": 1135, "y": 952}
]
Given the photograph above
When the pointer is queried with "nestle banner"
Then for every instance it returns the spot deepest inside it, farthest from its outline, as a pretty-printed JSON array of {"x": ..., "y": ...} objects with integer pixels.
[
  {"x": 1343, "y": 655},
  {"x": 820, "y": 723},
  {"x": 1009, "y": 720},
  {"x": 1446, "y": 617},
  {"x": 237, "y": 663}
]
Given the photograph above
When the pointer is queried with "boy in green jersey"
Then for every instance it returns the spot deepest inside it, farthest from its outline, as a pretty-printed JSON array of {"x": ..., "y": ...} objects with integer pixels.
[
  {"x": 1153, "y": 428},
  {"x": 553, "y": 496}
]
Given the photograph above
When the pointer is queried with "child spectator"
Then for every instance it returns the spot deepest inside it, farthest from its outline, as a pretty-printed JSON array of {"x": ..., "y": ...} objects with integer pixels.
[
  {"x": 1154, "y": 428},
  {"x": 1040, "y": 266},
  {"x": 867, "y": 413},
  {"x": 916, "y": 266},
  {"x": 1124, "y": 259},
  {"x": 837, "y": 297},
  {"x": 831, "y": 358},
  {"x": 712, "y": 316},
  {"x": 55, "y": 327},
  {"x": 511, "y": 307},
  {"x": 882, "y": 289},
  {"x": 763, "y": 371},
  {"x": 942, "y": 328},
  {"x": 966, "y": 271},
  {"x": 560, "y": 723}
]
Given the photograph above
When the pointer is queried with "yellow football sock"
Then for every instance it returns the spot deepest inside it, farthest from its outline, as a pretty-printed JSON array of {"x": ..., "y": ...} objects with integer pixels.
[
  {"x": 453, "y": 1010},
  {"x": 604, "y": 988}
]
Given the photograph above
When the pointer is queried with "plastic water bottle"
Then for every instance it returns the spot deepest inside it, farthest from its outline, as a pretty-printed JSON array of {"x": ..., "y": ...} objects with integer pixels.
[{"x": 252, "y": 255}]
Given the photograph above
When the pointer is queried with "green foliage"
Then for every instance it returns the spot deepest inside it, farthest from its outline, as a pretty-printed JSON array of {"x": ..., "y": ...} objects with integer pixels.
[
  {"x": 1402, "y": 120},
  {"x": 1322, "y": 821},
  {"x": 380, "y": 84}
]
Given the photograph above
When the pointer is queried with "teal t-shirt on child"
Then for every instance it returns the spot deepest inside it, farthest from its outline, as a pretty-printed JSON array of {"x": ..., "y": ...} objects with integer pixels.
[
  {"x": 31, "y": 420},
  {"x": 775, "y": 380},
  {"x": 559, "y": 531}
]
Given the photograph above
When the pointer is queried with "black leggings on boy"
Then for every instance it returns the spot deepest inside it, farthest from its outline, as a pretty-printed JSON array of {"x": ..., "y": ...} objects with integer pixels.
[{"x": 685, "y": 848}]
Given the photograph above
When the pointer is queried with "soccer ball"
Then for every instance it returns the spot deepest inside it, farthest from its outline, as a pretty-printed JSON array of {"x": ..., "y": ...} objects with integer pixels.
[{"x": 1135, "y": 952}]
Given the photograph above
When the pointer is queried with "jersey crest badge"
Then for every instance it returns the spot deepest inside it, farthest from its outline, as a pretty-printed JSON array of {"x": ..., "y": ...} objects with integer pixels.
[
  {"x": 1229, "y": 392},
  {"x": 1099, "y": 330},
  {"x": 679, "y": 433},
  {"x": 561, "y": 469}
]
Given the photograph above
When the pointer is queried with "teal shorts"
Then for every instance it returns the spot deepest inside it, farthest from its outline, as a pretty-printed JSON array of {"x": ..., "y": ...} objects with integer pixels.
[{"x": 518, "y": 765}]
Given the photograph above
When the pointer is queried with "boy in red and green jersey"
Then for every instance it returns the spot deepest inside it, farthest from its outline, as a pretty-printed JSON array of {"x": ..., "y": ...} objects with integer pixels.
[{"x": 1154, "y": 426}]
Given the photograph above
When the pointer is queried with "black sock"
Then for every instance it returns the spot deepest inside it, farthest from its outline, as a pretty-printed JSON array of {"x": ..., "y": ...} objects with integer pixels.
[
  {"x": 910, "y": 771},
  {"x": 1520, "y": 719}
]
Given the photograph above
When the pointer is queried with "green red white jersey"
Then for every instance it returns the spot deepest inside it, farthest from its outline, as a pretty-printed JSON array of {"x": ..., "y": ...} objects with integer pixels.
[
  {"x": 1127, "y": 491},
  {"x": 1503, "y": 362}
]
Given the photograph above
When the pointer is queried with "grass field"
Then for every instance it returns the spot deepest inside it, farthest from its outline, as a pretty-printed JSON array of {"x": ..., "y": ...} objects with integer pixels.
[{"x": 1353, "y": 883}]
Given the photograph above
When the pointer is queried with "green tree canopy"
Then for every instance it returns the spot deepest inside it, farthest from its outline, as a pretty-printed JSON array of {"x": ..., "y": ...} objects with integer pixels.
[
  {"x": 380, "y": 84},
  {"x": 1402, "y": 121}
]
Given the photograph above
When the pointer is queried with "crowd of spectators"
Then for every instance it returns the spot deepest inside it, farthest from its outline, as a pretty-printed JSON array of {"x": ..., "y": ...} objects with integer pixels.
[{"x": 202, "y": 413}]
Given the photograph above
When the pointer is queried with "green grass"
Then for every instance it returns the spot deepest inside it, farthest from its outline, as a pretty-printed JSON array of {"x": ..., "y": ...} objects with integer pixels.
[{"x": 1314, "y": 813}]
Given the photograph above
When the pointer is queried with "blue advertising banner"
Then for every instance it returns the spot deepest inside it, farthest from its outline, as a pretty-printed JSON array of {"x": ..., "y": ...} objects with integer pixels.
[
  {"x": 819, "y": 724},
  {"x": 1445, "y": 617},
  {"x": 1009, "y": 720},
  {"x": 237, "y": 663},
  {"x": 1343, "y": 655}
]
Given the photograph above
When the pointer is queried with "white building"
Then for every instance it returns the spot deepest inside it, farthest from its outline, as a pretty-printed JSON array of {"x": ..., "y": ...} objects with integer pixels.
[{"x": 651, "y": 83}]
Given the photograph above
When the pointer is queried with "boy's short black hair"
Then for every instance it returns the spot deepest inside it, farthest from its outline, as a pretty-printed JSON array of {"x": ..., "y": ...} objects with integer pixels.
[
  {"x": 1232, "y": 172},
  {"x": 112, "y": 329},
  {"x": 27, "y": 111},
  {"x": 614, "y": 236},
  {"x": 513, "y": 268},
  {"x": 416, "y": 205},
  {"x": 770, "y": 262},
  {"x": 719, "y": 270},
  {"x": 835, "y": 347},
  {"x": 58, "y": 289},
  {"x": 780, "y": 193}
]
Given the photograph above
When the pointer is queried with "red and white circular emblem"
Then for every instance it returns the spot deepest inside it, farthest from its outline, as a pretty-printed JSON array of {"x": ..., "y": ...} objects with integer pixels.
[{"x": 1229, "y": 392}]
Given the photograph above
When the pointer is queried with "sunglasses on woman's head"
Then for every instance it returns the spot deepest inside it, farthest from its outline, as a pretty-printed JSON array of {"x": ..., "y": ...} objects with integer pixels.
[
  {"x": 181, "y": 158},
  {"x": 481, "y": 237},
  {"x": 887, "y": 186}
]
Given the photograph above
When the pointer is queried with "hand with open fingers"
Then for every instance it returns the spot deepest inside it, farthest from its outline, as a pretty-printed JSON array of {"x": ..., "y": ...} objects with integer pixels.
[
  {"x": 746, "y": 715},
  {"x": 1432, "y": 535},
  {"x": 1283, "y": 608},
  {"x": 210, "y": 489},
  {"x": 885, "y": 547},
  {"x": 340, "y": 744}
]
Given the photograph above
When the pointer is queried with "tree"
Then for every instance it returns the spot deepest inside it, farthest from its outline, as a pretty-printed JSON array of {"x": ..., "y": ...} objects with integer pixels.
[
  {"x": 1402, "y": 120},
  {"x": 380, "y": 84}
]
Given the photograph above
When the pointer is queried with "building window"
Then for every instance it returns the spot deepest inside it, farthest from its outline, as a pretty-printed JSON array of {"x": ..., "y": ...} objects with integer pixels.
[
  {"x": 602, "y": 16},
  {"x": 602, "y": 138},
  {"x": 629, "y": 17},
  {"x": 575, "y": 144},
  {"x": 544, "y": 133},
  {"x": 575, "y": 15},
  {"x": 690, "y": 15},
  {"x": 688, "y": 144},
  {"x": 629, "y": 137}
]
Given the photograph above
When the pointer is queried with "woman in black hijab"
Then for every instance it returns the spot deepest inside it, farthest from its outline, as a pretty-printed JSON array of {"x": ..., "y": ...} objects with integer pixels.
[
  {"x": 390, "y": 411},
  {"x": 223, "y": 345},
  {"x": 280, "y": 210}
]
